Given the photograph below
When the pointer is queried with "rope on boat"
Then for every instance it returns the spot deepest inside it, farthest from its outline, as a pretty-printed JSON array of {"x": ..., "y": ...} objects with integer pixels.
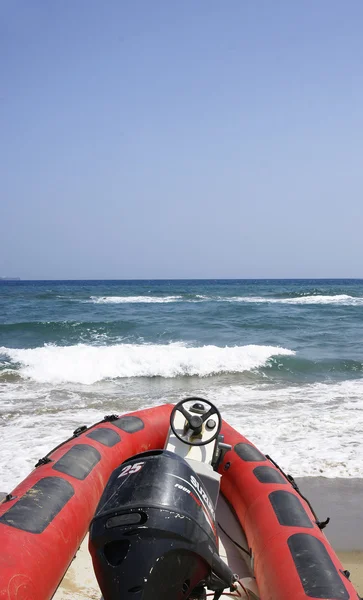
[
  {"x": 291, "y": 480},
  {"x": 234, "y": 541},
  {"x": 77, "y": 432}
]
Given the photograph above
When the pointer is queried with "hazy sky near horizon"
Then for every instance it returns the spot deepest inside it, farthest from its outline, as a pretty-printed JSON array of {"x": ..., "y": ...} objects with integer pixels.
[{"x": 181, "y": 139}]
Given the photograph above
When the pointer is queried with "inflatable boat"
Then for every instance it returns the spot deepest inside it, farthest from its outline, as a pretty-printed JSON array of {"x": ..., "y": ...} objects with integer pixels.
[{"x": 177, "y": 504}]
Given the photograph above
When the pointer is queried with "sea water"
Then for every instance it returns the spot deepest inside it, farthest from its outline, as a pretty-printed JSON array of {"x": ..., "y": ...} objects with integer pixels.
[{"x": 281, "y": 359}]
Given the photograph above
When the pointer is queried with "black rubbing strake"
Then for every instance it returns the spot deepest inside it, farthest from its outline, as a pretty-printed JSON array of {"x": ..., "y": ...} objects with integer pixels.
[
  {"x": 318, "y": 575},
  {"x": 248, "y": 452},
  {"x": 289, "y": 510},
  {"x": 129, "y": 424},
  {"x": 105, "y": 436},
  {"x": 79, "y": 461},
  {"x": 269, "y": 475},
  {"x": 39, "y": 505}
]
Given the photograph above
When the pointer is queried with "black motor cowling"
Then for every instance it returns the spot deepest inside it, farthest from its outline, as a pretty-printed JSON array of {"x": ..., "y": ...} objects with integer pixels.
[{"x": 154, "y": 536}]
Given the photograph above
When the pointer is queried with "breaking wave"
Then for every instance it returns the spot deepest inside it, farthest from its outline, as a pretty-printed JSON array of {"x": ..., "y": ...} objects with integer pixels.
[
  {"x": 88, "y": 364},
  {"x": 341, "y": 299},
  {"x": 134, "y": 299},
  {"x": 338, "y": 299}
]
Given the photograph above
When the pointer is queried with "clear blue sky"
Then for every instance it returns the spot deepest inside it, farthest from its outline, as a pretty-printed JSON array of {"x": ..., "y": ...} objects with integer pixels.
[{"x": 186, "y": 138}]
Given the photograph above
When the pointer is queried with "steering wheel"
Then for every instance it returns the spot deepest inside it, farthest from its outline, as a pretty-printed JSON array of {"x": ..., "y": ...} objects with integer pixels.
[{"x": 196, "y": 421}]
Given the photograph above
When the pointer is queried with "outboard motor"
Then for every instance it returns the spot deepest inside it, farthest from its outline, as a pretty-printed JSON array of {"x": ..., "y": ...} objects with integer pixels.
[{"x": 154, "y": 534}]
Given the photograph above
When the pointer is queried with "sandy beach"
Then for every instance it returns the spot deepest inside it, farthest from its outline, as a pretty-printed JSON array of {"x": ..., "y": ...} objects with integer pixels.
[{"x": 341, "y": 500}]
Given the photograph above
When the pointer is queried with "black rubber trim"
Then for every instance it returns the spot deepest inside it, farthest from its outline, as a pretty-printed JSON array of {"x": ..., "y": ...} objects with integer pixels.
[
  {"x": 318, "y": 575},
  {"x": 39, "y": 505},
  {"x": 249, "y": 453},
  {"x": 289, "y": 510},
  {"x": 79, "y": 461},
  {"x": 269, "y": 475},
  {"x": 129, "y": 424},
  {"x": 105, "y": 436}
]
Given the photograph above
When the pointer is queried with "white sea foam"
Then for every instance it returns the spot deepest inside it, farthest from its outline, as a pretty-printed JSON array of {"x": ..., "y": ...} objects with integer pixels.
[
  {"x": 342, "y": 299},
  {"x": 339, "y": 299},
  {"x": 33, "y": 438},
  {"x": 88, "y": 364},
  {"x": 134, "y": 299},
  {"x": 309, "y": 430}
]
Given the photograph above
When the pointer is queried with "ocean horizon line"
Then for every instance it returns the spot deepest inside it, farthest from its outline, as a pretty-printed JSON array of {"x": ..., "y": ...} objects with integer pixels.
[{"x": 21, "y": 280}]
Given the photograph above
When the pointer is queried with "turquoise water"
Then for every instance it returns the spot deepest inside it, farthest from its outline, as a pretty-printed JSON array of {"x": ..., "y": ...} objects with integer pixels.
[{"x": 283, "y": 359}]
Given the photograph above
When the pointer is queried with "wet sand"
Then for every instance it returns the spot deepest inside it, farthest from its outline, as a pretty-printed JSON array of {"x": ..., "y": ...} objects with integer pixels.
[{"x": 341, "y": 500}]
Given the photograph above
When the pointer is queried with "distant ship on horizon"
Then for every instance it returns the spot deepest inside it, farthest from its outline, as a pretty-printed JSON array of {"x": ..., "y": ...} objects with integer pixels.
[{"x": 9, "y": 278}]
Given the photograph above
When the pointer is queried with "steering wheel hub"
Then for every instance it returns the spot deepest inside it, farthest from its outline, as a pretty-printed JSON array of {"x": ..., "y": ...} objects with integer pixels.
[{"x": 196, "y": 424}]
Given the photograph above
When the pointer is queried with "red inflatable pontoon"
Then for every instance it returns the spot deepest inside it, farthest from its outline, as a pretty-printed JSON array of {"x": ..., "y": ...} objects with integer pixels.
[
  {"x": 46, "y": 517},
  {"x": 44, "y": 520}
]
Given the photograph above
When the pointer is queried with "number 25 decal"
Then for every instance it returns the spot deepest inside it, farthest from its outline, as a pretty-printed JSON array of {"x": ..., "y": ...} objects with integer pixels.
[{"x": 130, "y": 469}]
